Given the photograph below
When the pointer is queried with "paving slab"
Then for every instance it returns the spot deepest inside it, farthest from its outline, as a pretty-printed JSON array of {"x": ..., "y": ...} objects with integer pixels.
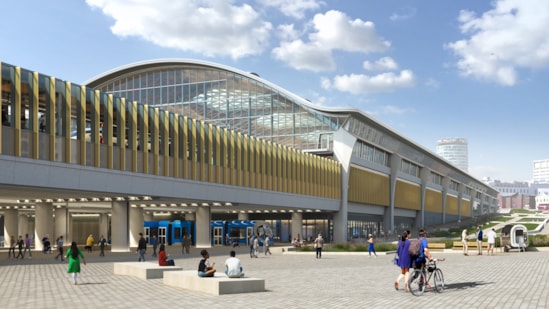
[{"x": 294, "y": 280}]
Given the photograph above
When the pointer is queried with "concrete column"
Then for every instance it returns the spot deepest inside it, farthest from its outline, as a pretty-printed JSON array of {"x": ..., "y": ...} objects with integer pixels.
[
  {"x": 424, "y": 174},
  {"x": 61, "y": 226},
  {"x": 24, "y": 225},
  {"x": 297, "y": 225},
  {"x": 70, "y": 228},
  {"x": 136, "y": 225},
  {"x": 445, "y": 184},
  {"x": 43, "y": 224},
  {"x": 243, "y": 216},
  {"x": 103, "y": 225},
  {"x": 389, "y": 215},
  {"x": 11, "y": 225},
  {"x": 120, "y": 227},
  {"x": 202, "y": 227},
  {"x": 343, "y": 152}
]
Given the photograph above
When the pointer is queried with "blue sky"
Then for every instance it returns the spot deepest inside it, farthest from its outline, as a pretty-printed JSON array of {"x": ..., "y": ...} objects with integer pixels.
[{"x": 428, "y": 69}]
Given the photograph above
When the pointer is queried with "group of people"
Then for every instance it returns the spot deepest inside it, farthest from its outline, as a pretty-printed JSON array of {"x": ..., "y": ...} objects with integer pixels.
[
  {"x": 490, "y": 237},
  {"x": 233, "y": 267},
  {"x": 254, "y": 245},
  {"x": 22, "y": 245},
  {"x": 405, "y": 260}
]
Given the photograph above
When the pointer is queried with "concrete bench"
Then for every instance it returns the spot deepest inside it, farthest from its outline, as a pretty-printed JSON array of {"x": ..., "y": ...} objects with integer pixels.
[
  {"x": 143, "y": 270},
  {"x": 438, "y": 247},
  {"x": 458, "y": 245},
  {"x": 218, "y": 285}
]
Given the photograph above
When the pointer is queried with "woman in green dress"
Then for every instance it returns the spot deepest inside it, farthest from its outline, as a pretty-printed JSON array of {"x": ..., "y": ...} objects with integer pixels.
[{"x": 74, "y": 254}]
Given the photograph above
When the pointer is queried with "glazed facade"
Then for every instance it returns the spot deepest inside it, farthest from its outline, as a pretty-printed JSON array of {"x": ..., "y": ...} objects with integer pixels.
[{"x": 228, "y": 99}]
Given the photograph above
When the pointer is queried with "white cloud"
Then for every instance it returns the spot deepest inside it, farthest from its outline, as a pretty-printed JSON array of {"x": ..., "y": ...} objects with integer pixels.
[
  {"x": 333, "y": 31},
  {"x": 362, "y": 84},
  {"x": 513, "y": 35},
  {"x": 432, "y": 83},
  {"x": 287, "y": 32},
  {"x": 325, "y": 83},
  {"x": 303, "y": 56},
  {"x": 385, "y": 63},
  {"x": 293, "y": 8},
  {"x": 403, "y": 14},
  {"x": 209, "y": 27}
]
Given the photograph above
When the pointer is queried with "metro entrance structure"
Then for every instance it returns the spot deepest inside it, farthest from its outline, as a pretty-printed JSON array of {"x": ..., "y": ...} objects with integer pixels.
[{"x": 191, "y": 140}]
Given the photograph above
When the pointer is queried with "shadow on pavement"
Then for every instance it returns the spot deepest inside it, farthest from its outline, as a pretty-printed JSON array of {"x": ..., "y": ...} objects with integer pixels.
[{"x": 464, "y": 285}]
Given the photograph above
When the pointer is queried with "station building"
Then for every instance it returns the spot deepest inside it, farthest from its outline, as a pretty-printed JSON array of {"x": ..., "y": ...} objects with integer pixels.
[
  {"x": 393, "y": 183},
  {"x": 306, "y": 169}
]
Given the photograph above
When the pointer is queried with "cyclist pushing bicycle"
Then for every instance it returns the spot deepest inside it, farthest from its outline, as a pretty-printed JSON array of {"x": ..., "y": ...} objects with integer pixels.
[
  {"x": 424, "y": 254},
  {"x": 425, "y": 267}
]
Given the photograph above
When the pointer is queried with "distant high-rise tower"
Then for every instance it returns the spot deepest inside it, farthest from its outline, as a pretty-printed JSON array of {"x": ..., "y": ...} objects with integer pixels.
[
  {"x": 541, "y": 171},
  {"x": 455, "y": 151}
]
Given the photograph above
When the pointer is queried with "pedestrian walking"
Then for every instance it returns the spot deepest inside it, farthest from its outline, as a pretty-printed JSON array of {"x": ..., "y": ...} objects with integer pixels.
[
  {"x": 491, "y": 235},
  {"x": 464, "y": 242},
  {"x": 20, "y": 244},
  {"x": 141, "y": 248},
  {"x": 251, "y": 243},
  {"x": 12, "y": 244},
  {"x": 479, "y": 240},
  {"x": 89, "y": 243},
  {"x": 256, "y": 246},
  {"x": 154, "y": 242},
  {"x": 371, "y": 246},
  {"x": 186, "y": 244},
  {"x": 318, "y": 244},
  {"x": 102, "y": 244},
  {"x": 267, "y": 245},
  {"x": 404, "y": 261},
  {"x": 74, "y": 255},
  {"x": 59, "y": 247},
  {"x": 27, "y": 246}
]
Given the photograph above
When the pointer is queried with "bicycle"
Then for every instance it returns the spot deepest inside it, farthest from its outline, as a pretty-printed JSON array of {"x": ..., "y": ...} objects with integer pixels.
[{"x": 421, "y": 277}]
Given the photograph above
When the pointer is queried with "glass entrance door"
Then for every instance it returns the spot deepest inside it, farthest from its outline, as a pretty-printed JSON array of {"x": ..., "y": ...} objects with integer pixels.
[
  {"x": 217, "y": 236},
  {"x": 162, "y": 235}
]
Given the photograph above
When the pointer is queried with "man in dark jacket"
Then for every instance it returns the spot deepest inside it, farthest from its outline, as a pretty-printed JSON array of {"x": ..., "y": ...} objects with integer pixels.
[{"x": 141, "y": 248}]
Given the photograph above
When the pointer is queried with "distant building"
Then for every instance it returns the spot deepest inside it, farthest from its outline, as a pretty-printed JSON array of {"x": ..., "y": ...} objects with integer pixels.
[
  {"x": 541, "y": 171},
  {"x": 455, "y": 151},
  {"x": 542, "y": 199},
  {"x": 514, "y": 194}
]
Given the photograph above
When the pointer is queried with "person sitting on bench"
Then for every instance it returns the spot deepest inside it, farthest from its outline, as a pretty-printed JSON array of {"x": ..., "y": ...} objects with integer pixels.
[
  {"x": 204, "y": 267},
  {"x": 233, "y": 268},
  {"x": 163, "y": 257}
]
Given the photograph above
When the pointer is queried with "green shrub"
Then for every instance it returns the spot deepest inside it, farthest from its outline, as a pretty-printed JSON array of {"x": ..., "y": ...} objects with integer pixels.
[
  {"x": 538, "y": 241},
  {"x": 521, "y": 211},
  {"x": 350, "y": 247},
  {"x": 531, "y": 219}
]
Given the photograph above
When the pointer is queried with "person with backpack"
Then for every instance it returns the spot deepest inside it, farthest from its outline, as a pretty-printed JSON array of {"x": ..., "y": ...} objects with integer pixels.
[
  {"x": 419, "y": 250},
  {"x": 404, "y": 260}
]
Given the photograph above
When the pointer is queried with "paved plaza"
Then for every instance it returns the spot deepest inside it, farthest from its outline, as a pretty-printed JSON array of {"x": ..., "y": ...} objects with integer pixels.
[{"x": 292, "y": 280}]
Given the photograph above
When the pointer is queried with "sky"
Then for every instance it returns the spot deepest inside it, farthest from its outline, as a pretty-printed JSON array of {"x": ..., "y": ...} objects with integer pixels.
[{"x": 427, "y": 69}]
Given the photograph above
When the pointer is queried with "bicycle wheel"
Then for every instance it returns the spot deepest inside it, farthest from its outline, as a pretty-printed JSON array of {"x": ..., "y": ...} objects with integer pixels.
[
  {"x": 416, "y": 283},
  {"x": 439, "y": 280}
]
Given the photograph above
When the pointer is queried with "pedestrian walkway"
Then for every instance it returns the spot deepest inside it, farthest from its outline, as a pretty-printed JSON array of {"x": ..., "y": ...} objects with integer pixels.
[{"x": 292, "y": 280}]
